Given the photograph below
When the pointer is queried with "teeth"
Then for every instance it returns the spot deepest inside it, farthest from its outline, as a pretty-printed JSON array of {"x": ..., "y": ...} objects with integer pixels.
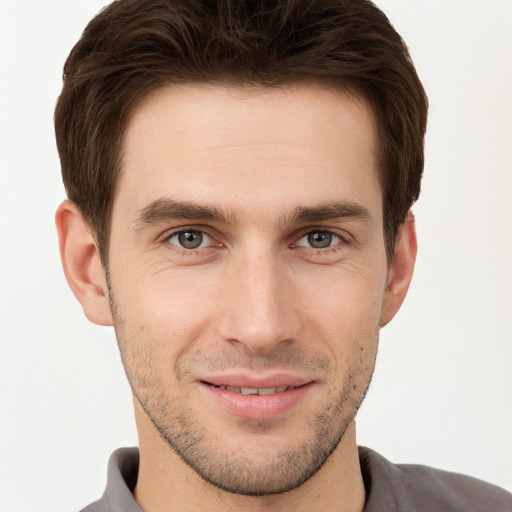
[
  {"x": 267, "y": 391},
  {"x": 256, "y": 391},
  {"x": 249, "y": 391}
]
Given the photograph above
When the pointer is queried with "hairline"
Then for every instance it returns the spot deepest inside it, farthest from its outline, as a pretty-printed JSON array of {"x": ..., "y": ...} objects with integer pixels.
[{"x": 254, "y": 85}]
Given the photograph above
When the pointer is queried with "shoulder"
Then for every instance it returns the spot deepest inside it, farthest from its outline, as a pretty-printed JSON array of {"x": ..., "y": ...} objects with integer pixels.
[
  {"x": 123, "y": 467},
  {"x": 97, "y": 506},
  {"x": 416, "y": 488},
  {"x": 460, "y": 492}
]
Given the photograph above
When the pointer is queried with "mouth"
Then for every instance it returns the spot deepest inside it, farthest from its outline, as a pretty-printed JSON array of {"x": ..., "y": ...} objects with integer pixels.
[
  {"x": 255, "y": 398},
  {"x": 254, "y": 391}
]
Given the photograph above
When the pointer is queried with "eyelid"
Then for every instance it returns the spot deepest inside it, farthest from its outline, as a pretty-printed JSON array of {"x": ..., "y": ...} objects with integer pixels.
[
  {"x": 339, "y": 233},
  {"x": 169, "y": 233},
  {"x": 205, "y": 242},
  {"x": 345, "y": 238},
  {"x": 164, "y": 239},
  {"x": 336, "y": 239}
]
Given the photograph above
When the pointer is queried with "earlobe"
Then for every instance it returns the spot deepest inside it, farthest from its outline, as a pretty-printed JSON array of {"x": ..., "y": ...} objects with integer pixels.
[
  {"x": 82, "y": 263},
  {"x": 401, "y": 270}
]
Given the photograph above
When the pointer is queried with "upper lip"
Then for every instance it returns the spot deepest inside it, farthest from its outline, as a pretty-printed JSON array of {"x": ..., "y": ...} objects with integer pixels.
[{"x": 257, "y": 381}]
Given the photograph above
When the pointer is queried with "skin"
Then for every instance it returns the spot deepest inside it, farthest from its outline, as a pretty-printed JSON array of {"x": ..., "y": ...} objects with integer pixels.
[{"x": 290, "y": 280}]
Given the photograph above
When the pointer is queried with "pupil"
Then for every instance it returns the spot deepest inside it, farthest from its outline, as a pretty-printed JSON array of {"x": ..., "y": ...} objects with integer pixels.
[
  {"x": 190, "y": 239},
  {"x": 319, "y": 240}
]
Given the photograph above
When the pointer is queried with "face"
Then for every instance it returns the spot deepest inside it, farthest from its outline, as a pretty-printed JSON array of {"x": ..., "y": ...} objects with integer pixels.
[{"x": 247, "y": 274}]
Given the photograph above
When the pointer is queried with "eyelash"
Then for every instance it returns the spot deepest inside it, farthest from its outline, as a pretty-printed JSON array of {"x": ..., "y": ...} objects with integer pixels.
[
  {"x": 188, "y": 252},
  {"x": 343, "y": 243}
]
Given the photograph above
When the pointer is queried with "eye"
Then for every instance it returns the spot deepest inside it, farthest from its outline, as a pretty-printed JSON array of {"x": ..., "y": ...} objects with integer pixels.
[
  {"x": 190, "y": 239},
  {"x": 319, "y": 240}
]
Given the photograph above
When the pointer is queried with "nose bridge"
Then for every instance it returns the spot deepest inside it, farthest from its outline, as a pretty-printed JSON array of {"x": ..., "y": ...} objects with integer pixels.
[{"x": 260, "y": 311}]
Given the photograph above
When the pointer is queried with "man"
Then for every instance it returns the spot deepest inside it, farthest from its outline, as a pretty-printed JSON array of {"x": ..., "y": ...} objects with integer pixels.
[{"x": 240, "y": 177}]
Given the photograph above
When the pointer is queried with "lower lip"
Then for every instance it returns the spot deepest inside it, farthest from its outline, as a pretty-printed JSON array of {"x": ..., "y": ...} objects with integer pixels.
[{"x": 257, "y": 407}]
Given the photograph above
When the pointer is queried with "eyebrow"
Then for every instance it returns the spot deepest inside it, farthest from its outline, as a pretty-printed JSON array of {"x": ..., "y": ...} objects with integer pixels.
[
  {"x": 330, "y": 211},
  {"x": 165, "y": 209}
]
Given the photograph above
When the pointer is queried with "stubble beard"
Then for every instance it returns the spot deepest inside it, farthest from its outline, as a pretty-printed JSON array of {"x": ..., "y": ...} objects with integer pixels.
[{"x": 246, "y": 471}]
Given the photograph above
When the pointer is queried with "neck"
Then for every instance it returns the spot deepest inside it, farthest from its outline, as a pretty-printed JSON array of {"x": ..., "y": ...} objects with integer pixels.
[{"x": 165, "y": 483}]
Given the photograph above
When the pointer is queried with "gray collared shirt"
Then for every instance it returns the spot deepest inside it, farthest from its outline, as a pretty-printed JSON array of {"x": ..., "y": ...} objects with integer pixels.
[{"x": 389, "y": 487}]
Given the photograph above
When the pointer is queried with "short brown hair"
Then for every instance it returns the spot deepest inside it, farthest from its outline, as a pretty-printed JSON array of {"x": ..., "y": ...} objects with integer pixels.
[{"x": 133, "y": 47}]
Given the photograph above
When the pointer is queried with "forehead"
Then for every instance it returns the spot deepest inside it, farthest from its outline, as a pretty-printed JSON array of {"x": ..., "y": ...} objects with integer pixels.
[{"x": 249, "y": 146}]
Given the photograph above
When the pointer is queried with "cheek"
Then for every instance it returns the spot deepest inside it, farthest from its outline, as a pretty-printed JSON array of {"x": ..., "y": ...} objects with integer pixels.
[
  {"x": 341, "y": 311},
  {"x": 342, "y": 299},
  {"x": 157, "y": 321},
  {"x": 167, "y": 298}
]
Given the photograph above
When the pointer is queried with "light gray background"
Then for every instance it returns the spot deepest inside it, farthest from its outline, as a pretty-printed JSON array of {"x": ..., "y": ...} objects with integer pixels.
[{"x": 442, "y": 390}]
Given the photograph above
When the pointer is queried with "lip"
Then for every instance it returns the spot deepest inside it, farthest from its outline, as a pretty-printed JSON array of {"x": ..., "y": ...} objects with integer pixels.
[
  {"x": 252, "y": 406},
  {"x": 257, "y": 381}
]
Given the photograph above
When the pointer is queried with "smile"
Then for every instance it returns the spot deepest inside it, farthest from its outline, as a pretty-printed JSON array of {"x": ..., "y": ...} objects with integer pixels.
[
  {"x": 255, "y": 391},
  {"x": 257, "y": 400}
]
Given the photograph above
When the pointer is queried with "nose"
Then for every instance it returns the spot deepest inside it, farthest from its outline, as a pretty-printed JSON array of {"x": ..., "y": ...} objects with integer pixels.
[{"x": 258, "y": 308}]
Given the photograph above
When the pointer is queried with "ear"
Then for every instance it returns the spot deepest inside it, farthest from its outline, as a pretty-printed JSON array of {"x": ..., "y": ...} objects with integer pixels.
[
  {"x": 82, "y": 263},
  {"x": 400, "y": 270}
]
